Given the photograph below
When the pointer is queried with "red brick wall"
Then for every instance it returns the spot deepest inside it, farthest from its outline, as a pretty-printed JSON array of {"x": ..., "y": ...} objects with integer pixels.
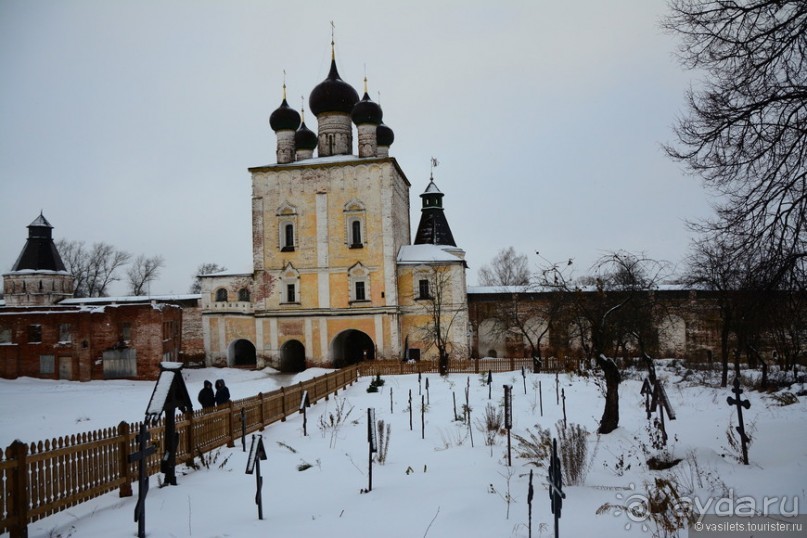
[{"x": 93, "y": 331}]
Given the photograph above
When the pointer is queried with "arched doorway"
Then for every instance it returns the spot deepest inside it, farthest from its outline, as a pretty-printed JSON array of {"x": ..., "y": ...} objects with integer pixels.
[
  {"x": 241, "y": 353},
  {"x": 350, "y": 347},
  {"x": 292, "y": 356}
]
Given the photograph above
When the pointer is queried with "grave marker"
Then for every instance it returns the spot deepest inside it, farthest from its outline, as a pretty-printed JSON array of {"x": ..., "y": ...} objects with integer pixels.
[
  {"x": 555, "y": 478},
  {"x": 372, "y": 443},
  {"x": 647, "y": 391},
  {"x": 740, "y": 403},
  {"x": 530, "y": 494},
  {"x": 524, "y": 380},
  {"x": 660, "y": 403},
  {"x": 305, "y": 402},
  {"x": 490, "y": 382},
  {"x": 243, "y": 430},
  {"x": 508, "y": 418},
  {"x": 170, "y": 394},
  {"x": 256, "y": 454},
  {"x": 144, "y": 450},
  {"x": 563, "y": 397}
]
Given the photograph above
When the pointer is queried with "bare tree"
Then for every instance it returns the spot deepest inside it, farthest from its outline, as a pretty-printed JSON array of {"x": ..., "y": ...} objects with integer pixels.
[
  {"x": 142, "y": 272},
  {"x": 744, "y": 132},
  {"x": 443, "y": 312},
  {"x": 207, "y": 268},
  {"x": 507, "y": 269},
  {"x": 93, "y": 269}
]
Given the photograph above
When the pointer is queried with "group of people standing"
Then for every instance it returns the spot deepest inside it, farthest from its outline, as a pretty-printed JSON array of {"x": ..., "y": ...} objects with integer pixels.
[{"x": 207, "y": 398}]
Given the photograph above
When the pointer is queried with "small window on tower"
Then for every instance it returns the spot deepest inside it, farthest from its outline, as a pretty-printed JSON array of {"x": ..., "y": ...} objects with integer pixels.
[
  {"x": 291, "y": 296},
  {"x": 423, "y": 288},
  {"x": 288, "y": 237},
  {"x": 355, "y": 234},
  {"x": 360, "y": 291}
]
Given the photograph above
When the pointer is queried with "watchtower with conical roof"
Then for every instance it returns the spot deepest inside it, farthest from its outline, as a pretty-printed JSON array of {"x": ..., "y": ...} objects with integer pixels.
[{"x": 38, "y": 277}]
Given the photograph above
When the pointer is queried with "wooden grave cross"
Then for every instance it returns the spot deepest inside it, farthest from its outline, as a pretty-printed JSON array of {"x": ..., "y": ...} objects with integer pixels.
[
  {"x": 170, "y": 394},
  {"x": 555, "y": 477},
  {"x": 647, "y": 392},
  {"x": 256, "y": 454},
  {"x": 740, "y": 403},
  {"x": 490, "y": 382},
  {"x": 660, "y": 403},
  {"x": 305, "y": 402},
  {"x": 372, "y": 443},
  {"x": 144, "y": 450},
  {"x": 563, "y": 398}
]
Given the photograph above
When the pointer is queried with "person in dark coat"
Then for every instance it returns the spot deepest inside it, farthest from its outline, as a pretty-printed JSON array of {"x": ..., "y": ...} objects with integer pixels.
[
  {"x": 222, "y": 392},
  {"x": 206, "y": 396}
]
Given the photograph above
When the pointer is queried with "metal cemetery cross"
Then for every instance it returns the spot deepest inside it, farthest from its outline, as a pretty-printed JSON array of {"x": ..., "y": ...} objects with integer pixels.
[
  {"x": 563, "y": 397},
  {"x": 373, "y": 445},
  {"x": 490, "y": 382},
  {"x": 256, "y": 454},
  {"x": 508, "y": 418},
  {"x": 305, "y": 402},
  {"x": 555, "y": 478},
  {"x": 145, "y": 449},
  {"x": 740, "y": 403}
]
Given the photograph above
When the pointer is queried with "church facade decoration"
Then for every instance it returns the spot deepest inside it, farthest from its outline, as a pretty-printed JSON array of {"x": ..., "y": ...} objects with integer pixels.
[{"x": 333, "y": 278}]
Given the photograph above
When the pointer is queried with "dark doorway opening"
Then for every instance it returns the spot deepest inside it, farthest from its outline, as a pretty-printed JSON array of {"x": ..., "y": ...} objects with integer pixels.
[
  {"x": 292, "y": 357},
  {"x": 243, "y": 353},
  {"x": 350, "y": 347}
]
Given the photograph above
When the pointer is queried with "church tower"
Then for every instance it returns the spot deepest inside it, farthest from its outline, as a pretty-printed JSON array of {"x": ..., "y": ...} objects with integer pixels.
[
  {"x": 328, "y": 230},
  {"x": 38, "y": 277}
]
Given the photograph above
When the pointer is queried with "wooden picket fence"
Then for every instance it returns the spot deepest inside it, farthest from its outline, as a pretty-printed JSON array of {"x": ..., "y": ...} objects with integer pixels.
[
  {"x": 43, "y": 478},
  {"x": 470, "y": 366},
  {"x": 46, "y": 477}
]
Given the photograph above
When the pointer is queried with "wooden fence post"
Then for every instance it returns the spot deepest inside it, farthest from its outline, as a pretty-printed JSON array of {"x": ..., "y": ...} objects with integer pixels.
[
  {"x": 18, "y": 451},
  {"x": 261, "y": 414},
  {"x": 125, "y": 489},
  {"x": 189, "y": 457},
  {"x": 282, "y": 404},
  {"x": 230, "y": 425}
]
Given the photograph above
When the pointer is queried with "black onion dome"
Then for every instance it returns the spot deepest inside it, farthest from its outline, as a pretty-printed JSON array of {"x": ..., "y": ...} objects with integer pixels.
[
  {"x": 384, "y": 135},
  {"x": 305, "y": 138},
  {"x": 332, "y": 94},
  {"x": 284, "y": 118},
  {"x": 366, "y": 111}
]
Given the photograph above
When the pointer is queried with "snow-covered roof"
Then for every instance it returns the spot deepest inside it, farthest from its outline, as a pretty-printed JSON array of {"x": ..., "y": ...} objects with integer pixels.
[
  {"x": 411, "y": 254},
  {"x": 131, "y": 299}
]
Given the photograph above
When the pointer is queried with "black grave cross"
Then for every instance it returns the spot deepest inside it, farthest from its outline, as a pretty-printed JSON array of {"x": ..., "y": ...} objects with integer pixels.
[
  {"x": 647, "y": 392},
  {"x": 304, "y": 403},
  {"x": 144, "y": 450},
  {"x": 660, "y": 403},
  {"x": 372, "y": 444},
  {"x": 170, "y": 394},
  {"x": 508, "y": 418},
  {"x": 256, "y": 454},
  {"x": 563, "y": 398},
  {"x": 740, "y": 403},
  {"x": 530, "y": 493},
  {"x": 555, "y": 478},
  {"x": 490, "y": 383},
  {"x": 524, "y": 380}
]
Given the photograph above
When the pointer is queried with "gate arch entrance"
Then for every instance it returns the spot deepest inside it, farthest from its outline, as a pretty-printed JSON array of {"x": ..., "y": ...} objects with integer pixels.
[
  {"x": 241, "y": 353},
  {"x": 292, "y": 356},
  {"x": 350, "y": 347}
]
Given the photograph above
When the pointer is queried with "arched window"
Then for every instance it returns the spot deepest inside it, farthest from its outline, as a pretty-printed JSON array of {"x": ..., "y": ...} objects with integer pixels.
[
  {"x": 355, "y": 233},
  {"x": 288, "y": 236},
  {"x": 221, "y": 295},
  {"x": 243, "y": 295}
]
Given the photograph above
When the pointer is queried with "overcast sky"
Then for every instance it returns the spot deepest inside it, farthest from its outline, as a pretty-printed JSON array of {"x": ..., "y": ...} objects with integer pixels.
[{"x": 134, "y": 122}]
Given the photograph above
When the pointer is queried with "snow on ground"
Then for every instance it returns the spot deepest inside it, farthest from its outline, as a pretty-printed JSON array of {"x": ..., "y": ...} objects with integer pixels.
[{"x": 440, "y": 486}]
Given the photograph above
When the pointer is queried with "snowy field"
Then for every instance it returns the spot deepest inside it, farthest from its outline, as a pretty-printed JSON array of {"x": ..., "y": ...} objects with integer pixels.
[{"x": 440, "y": 486}]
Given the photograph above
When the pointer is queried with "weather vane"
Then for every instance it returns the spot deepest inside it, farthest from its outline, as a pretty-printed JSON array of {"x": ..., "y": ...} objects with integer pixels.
[{"x": 434, "y": 164}]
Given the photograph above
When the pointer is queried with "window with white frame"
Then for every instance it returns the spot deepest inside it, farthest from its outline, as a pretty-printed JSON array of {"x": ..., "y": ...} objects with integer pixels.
[
  {"x": 290, "y": 289},
  {"x": 354, "y": 224},
  {"x": 287, "y": 227},
  {"x": 359, "y": 283}
]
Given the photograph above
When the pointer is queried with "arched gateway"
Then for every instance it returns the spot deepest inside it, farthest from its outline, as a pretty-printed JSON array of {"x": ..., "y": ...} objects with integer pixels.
[
  {"x": 241, "y": 353},
  {"x": 292, "y": 356},
  {"x": 350, "y": 347}
]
